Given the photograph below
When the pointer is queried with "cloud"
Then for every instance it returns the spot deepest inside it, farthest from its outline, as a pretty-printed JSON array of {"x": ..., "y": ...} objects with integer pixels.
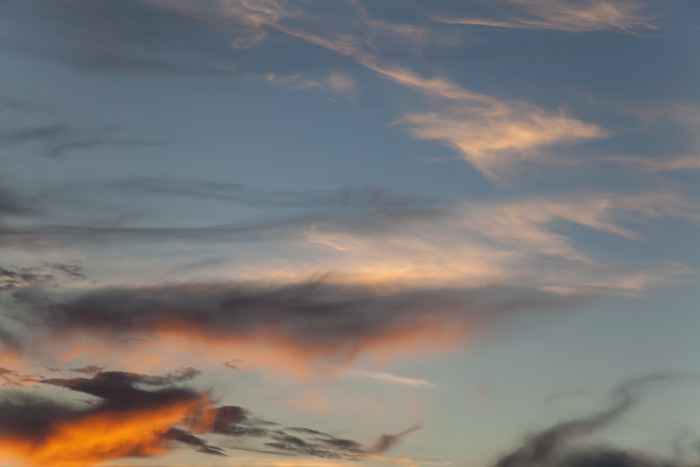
[
  {"x": 17, "y": 379},
  {"x": 357, "y": 195},
  {"x": 150, "y": 37},
  {"x": 291, "y": 327},
  {"x": 14, "y": 104},
  {"x": 568, "y": 16},
  {"x": 497, "y": 136},
  {"x": 129, "y": 36},
  {"x": 14, "y": 204},
  {"x": 390, "y": 379},
  {"x": 13, "y": 277},
  {"x": 362, "y": 207},
  {"x": 506, "y": 242},
  {"x": 498, "y": 133},
  {"x": 376, "y": 238},
  {"x": 125, "y": 421},
  {"x": 683, "y": 120},
  {"x": 653, "y": 164},
  {"x": 341, "y": 84},
  {"x": 551, "y": 447},
  {"x": 61, "y": 138},
  {"x": 323, "y": 446},
  {"x": 89, "y": 369},
  {"x": 386, "y": 442},
  {"x": 491, "y": 134},
  {"x": 137, "y": 415},
  {"x": 41, "y": 212}
]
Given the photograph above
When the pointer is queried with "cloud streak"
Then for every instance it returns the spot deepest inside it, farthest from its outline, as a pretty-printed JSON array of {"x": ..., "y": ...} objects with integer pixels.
[
  {"x": 568, "y": 16},
  {"x": 489, "y": 133},
  {"x": 649, "y": 164},
  {"x": 59, "y": 139},
  {"x": 390, "y": 379}
]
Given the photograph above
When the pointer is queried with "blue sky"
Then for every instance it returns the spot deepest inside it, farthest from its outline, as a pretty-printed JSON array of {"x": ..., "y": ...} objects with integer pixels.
[{"x": 305, "y": 233}]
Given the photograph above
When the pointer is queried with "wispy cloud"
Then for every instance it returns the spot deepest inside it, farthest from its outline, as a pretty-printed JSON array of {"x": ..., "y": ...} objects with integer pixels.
[
  {"x": 683, "y": 119},
  {"x": 492, "y": 134},
  {"x": 514, "y": 242},
  {"x": 652, "y": 164},
  {"x": 568, "y": 16},
  {"x": 498, "y": 136},
  {"x": 390, "y": 379},
  {"x": 489, "y": 133},
  {"x": 58, "y": 139}
]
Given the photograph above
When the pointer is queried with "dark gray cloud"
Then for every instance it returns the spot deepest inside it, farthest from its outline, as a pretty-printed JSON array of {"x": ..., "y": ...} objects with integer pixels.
[
  {"x": 363, "y": 195},
  {"x": 357, "y": 197},
  {"x": 14, "y": 104},
  {"x": 312, "y": 315},
  {"x": 320, "y": 445},
  {"x": 89, "y": 370},
  {"x": 12, "y": 203},
  {"x": 34, "y": 419},
  {"x": 553, "y": 446},
  {"x": 138, "y": 37},
  {"x": 12, "y": 277},
  {"x": 118, "y": 389},
  {"x": 9, "y": 340},
  {"x": 58, "y": 139},
  {"x": 258, "y": 230},
  {"x": 386, "y": 442},
  {"x": 186, "y": 437},
  {"x": 15, "y": 278},
  {"x": 104, "y": 36},
  {"x": 364, "y": 208},
  {"x": 15, "y": 281}
]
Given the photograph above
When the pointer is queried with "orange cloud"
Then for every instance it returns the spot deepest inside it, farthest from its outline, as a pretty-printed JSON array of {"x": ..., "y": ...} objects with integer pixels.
[
  {"x": 102, "y": 436},
  {"x": 171, "y": 345},
  {"x": 494, "y": 137}
]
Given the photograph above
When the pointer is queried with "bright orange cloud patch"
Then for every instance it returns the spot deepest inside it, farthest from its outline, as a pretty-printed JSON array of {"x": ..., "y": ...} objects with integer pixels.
[{"x": 99, "y": 437}]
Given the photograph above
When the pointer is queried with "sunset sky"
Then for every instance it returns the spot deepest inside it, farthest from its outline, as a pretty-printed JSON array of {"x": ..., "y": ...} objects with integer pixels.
[{"x": 308, "y": 233}]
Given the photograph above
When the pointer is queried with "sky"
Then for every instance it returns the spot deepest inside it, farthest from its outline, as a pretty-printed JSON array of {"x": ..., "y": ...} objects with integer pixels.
[{"x": 305, "y": 233}]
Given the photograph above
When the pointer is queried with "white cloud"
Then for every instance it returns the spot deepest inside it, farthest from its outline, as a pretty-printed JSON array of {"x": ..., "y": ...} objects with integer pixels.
[{"x": 389, "y": 378}]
